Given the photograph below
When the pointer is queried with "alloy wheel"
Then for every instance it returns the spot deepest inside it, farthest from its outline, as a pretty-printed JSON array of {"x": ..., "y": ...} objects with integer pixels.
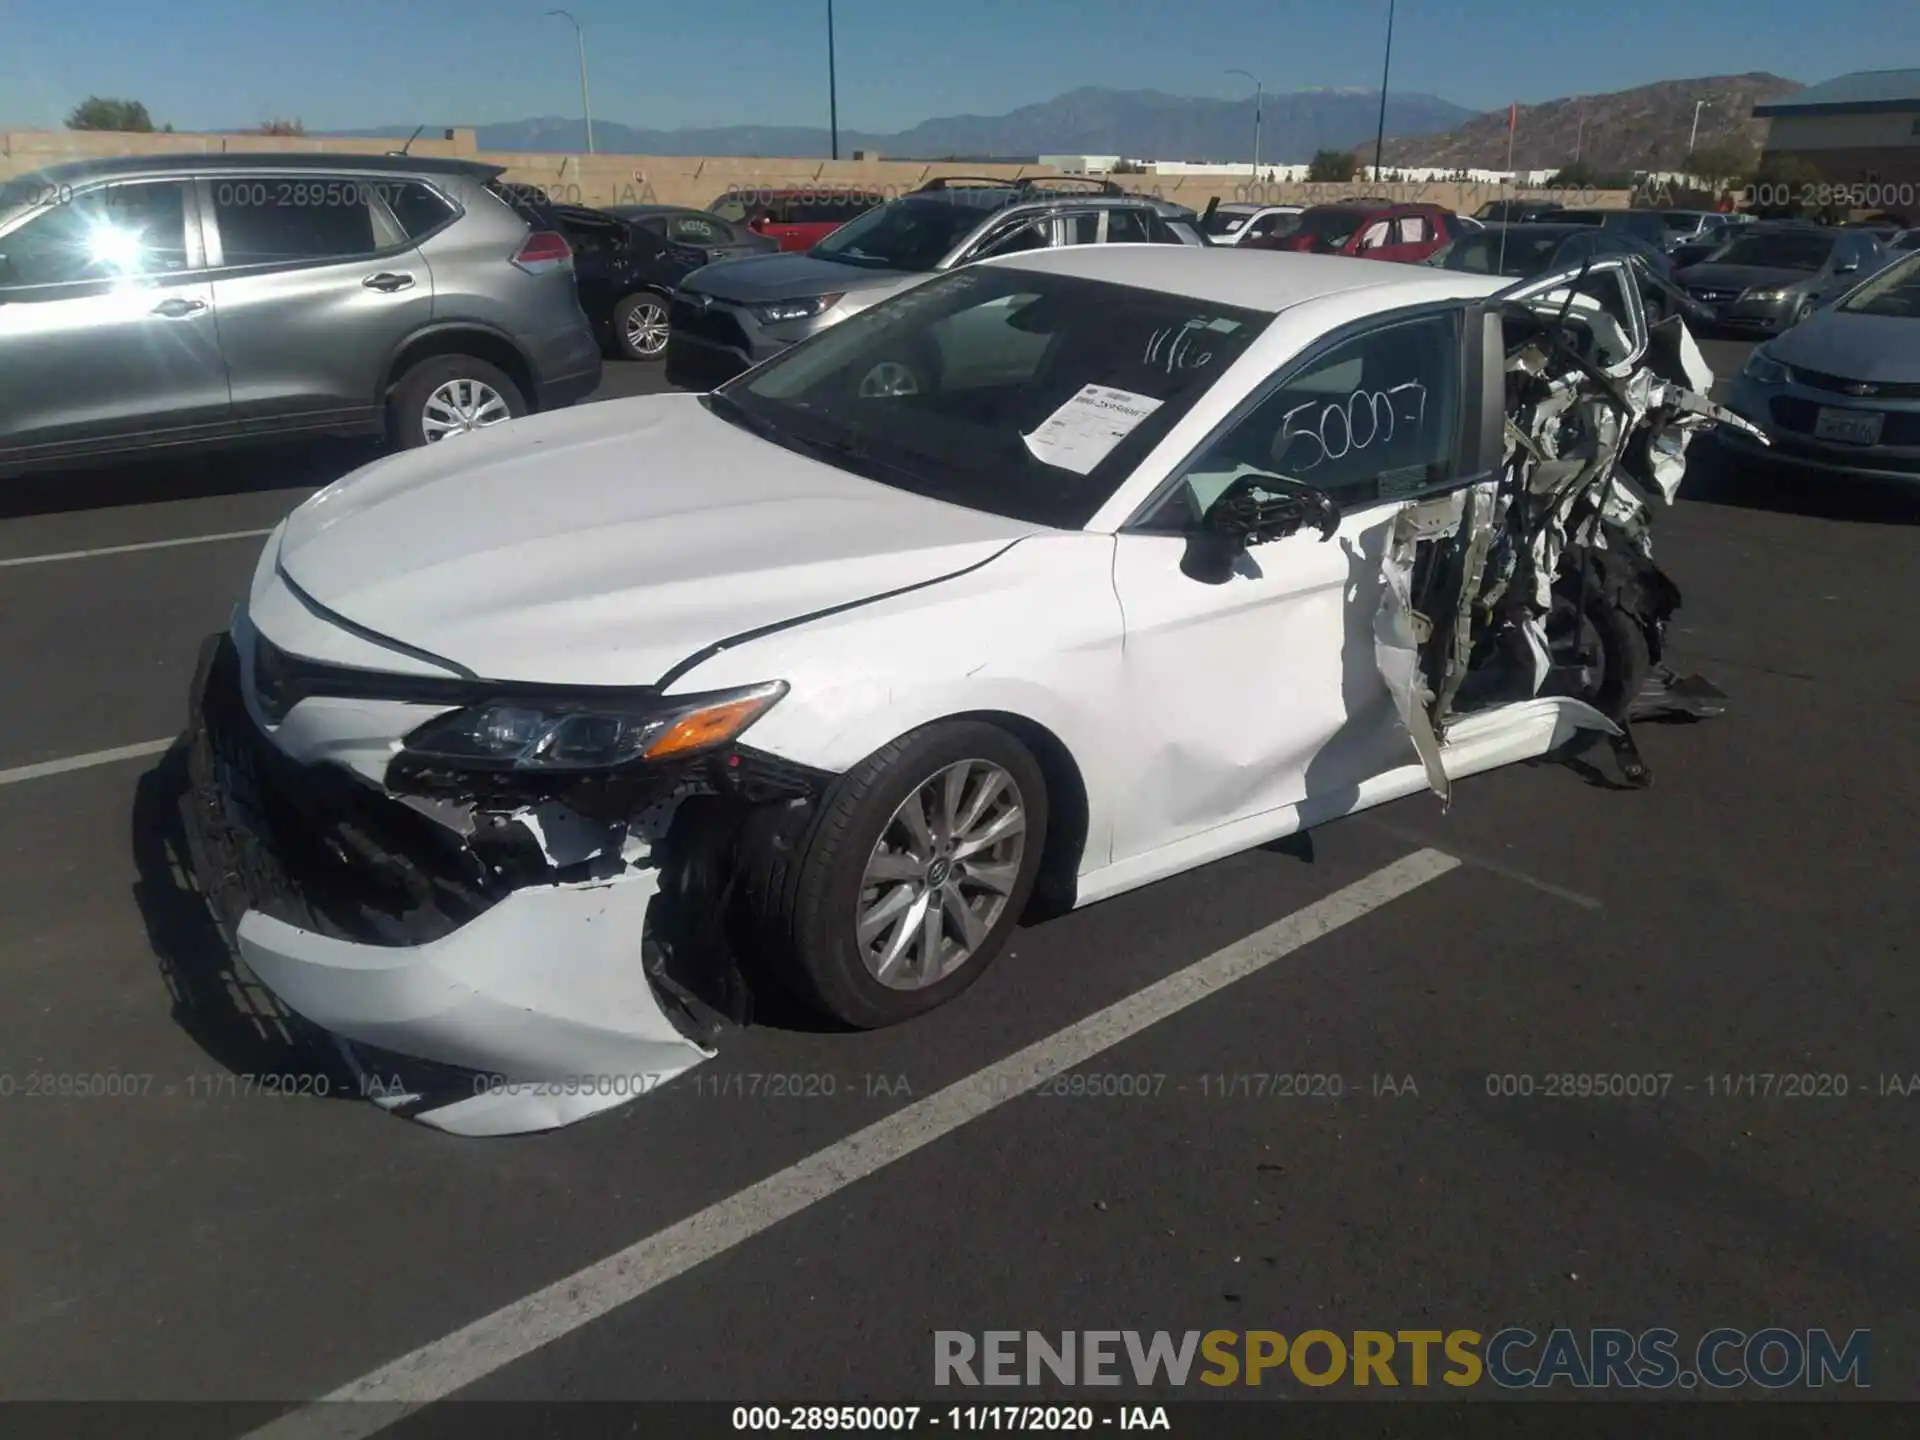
[
  {"x": 940, "y": 874},
  {"x": 461, "y": 406},
  {"x": 646, "y": 328}
]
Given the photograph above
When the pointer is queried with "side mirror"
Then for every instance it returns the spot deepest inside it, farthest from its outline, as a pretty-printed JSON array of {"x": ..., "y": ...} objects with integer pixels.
[{"x": 1254, "y": 510}]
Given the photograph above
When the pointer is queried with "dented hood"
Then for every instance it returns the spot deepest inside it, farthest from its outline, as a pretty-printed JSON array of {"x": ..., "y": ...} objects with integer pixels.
[
  {"x": 1881, "y": 349},
  {"x": 602, "y": 545}
]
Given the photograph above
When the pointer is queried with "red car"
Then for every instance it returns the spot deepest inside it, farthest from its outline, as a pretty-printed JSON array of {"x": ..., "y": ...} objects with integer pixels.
[
  {"x": 798, "y": 219},
  {"x": 1373, "y": 230}
]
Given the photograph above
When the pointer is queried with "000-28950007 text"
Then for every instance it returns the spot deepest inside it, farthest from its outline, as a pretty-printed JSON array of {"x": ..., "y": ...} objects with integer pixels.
[{"x": 893, "y": 1419}]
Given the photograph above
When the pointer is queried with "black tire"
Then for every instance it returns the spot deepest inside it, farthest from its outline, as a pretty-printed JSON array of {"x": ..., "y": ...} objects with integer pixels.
[
  {"x": 406, "y": 407},
  {"x": 808, "y": 895},
  {"x": 623, "y": 313},
  {"x": 1615, "y": 641}
]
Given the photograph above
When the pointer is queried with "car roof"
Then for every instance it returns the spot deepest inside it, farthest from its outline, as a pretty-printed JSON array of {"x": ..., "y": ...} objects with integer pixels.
[
  {"x": 1269, "y": 280},
  {"x": 111, "y": 165}
]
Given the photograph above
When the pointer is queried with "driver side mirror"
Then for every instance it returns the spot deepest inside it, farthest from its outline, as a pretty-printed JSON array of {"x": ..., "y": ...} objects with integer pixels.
[{"x": 1254, "y": 510}]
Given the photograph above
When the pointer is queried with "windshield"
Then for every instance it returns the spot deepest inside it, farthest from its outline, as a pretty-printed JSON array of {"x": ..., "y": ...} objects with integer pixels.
[
  {"x": 913, "y": 233},
  {"x": 1777, "y": 252},
  {"x": 1894, "y": 291},
  {"x": 1515, "y": 253},
  {"x": 1329, "y": 228},
  {"x": 1023, "y": 394},
  {"x": 1226, "y": 222}
]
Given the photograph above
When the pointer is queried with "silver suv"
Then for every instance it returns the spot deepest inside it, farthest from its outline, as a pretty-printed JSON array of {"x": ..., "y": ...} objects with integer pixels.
[
  {"x": 729, "y": 316},
  {"x": 172, "y": 300}
]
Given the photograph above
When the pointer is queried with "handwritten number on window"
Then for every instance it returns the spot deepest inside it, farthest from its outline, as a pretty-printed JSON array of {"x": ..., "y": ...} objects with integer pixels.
[{"x": 1332, "y": 430}]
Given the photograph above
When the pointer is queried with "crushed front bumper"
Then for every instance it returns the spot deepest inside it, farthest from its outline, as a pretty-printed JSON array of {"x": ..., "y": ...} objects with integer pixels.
[{"x": 530, "y": 1009}]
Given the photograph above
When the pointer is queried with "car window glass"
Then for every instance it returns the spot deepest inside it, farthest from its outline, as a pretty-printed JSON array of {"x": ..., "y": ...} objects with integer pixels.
[
  {"x": 731, "y": 208},
  {"x": 1376, "y": 235},
  {"x": 1033, "y": 235},
  {"x": 1083, "y": 228},
  {"x": 275, "y": 220},
  {"x": 1127, "y": 227},
  {"x": 1372, "y": 419},
  {"x": 419, "y": 208},
  {"x": 109, "y": 233},
  {"x": 697, "y": 230},
  {"x": 1410, "y": 230}
]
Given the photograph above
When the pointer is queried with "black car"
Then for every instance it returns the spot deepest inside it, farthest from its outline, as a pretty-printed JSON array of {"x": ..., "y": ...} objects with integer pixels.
[
  {"x": 1643, "y": 225},
  {"x": 1522, "y": 252},
  {"x": 1518, "y": 212},
  {"x": 627, "y": 260}
]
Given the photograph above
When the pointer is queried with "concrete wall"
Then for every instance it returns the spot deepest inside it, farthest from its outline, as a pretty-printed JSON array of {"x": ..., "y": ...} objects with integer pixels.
[{"x": 692, "y": 180}]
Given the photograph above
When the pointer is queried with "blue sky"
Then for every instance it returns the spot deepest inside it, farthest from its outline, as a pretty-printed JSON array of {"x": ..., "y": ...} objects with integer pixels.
[{"x": 336, "y": 64}]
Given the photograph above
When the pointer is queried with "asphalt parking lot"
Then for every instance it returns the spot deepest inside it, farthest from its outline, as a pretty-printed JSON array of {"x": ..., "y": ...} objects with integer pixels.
[{"x": 1750, "y": 915}]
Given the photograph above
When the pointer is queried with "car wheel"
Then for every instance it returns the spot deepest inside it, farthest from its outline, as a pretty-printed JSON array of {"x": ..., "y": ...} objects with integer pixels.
[
  {"x": 640, "y": 326},
  {"x": 914, "y": 873},
  {"x": 1602, "y": 646},
  {"x": 451, "y": 395}
]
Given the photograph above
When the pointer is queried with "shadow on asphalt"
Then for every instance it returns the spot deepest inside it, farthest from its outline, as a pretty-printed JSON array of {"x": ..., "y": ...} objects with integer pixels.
[
  {"x": 146, "y": 481},
  {"x": 1716, "y": 476},
  {"x": 228, "y": 1014}
]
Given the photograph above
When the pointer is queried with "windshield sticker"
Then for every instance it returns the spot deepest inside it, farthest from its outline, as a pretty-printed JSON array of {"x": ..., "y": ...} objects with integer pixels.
[{"x": 1085, "y": 430}]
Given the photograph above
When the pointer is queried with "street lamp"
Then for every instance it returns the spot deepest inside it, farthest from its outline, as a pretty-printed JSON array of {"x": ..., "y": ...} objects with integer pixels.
[
  {"x": 1257, "y": 91},
  {"x": 1386, "y": 69},
  {"x": 1698, "y": 106},
  {"x": 586, "y": 108},
  {"x": 833, "y": 91}
]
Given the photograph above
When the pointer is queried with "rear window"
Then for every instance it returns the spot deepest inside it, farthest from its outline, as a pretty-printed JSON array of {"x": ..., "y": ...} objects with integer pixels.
[
  {"x": 268, "y": 220},
  {"x": 420, "y": 209}
]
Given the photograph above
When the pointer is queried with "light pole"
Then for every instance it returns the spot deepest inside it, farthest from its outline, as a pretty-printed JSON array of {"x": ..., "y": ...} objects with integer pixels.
[
  {"x": 1386, "y": 69},
  {"x": 833, "y": 89},
  {"x": 1698, "y": 106},
  {"x": 1257, "y": 92},
  {"x": 1580, "y": 130},
  {"x": 586, "y": 107}
]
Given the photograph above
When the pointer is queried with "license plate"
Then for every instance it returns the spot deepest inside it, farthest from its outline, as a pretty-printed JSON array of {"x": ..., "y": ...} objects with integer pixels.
[{"x": 1853, "y": 427}]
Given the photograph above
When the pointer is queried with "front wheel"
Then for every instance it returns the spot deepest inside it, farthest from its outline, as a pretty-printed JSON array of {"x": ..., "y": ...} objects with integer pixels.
[
  {"x": 1600, "y": 648},
  {"x": 915, "y": 873},
  {"x": 640, "y": 326},
  {"x": 451, "y": 395}
]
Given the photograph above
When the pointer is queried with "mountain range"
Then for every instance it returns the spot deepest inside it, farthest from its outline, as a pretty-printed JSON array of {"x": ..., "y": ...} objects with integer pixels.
[
  {"x": 1143, "y": 124},
  {"x": 1646, "y": 128}
]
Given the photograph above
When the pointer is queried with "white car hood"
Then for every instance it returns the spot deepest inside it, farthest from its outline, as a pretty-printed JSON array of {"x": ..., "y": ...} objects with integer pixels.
[{"x": 605, "y": 544}]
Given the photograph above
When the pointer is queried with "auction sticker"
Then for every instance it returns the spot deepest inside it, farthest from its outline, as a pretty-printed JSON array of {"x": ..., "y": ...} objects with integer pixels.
[{"x": 1085, "y": 430}]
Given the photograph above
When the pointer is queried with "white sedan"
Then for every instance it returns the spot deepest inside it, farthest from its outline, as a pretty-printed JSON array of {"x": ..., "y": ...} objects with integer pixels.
[{"x": 530, "y": 757}]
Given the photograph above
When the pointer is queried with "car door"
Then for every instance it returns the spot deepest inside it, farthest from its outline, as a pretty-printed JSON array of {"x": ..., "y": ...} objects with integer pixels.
[
  {"x": 107, "y": 333},
  {"x": 317, "y": 285},
  {"x": 1373, "y": 239},
  {"x": 1264, "y": 691}
]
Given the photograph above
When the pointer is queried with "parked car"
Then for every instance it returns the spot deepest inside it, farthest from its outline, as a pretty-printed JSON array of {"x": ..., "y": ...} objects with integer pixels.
[
  {"x": 1645, "y": 225},
  {"x": 664, "y": 245},
  {"x": 732, "y": 316},
  {"x": 1236, "y": 223},
  {"x": 1370, "y": 230},
  {"x": 1701, "y": 249},
  {"x": 1518, "y": 212},
  {"x": 1774, "y": 274},
  {"x": 1840, "y": 391},
  {"x": 1683, "y": 227},
  {"x": 795, "y": 219},
  {"x": 1905, "y": 240},
  {"x": 851, "y": 671},
  {"x": 1523, "y": 251},
  {"x": 161, "y": 301}
]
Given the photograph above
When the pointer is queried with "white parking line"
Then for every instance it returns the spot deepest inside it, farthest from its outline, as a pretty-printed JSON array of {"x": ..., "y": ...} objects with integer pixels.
[
  {"x": 438, "y": 1370},
  {"x": 130, "y": 549},
  {"x": 85, "y": 762}
]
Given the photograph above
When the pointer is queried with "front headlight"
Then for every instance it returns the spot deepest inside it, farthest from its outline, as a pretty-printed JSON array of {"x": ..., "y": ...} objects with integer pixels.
[
  {"x": 1766, "y": 296},
  {"x": 803, "y": 309},
  {"x": 1763, "y": 369},
  {"x": 557, "y": 734}
]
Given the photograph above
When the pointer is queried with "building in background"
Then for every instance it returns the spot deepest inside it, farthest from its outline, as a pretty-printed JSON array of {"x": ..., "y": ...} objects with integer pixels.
[{"x": 1861, "y": 129}]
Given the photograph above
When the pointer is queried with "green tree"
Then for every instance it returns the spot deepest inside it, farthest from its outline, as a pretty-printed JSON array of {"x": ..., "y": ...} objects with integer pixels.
[
  {"x": 97, "y": 112},
  {"x": 1335, "y": 167},
  {"x": 1781, "y": 183},
  {"x": 1722, "y": 166},
  {"x": 282, "y": 127}
]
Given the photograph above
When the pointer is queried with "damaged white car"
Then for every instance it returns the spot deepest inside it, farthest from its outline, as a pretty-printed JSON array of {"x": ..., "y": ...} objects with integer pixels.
[{"x": 530, "y": 760}]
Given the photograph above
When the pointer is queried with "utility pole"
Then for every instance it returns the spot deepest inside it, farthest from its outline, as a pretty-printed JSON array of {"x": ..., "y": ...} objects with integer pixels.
[
  {"x": 1580, "y": 130},
  {"x": 586, "y": 106},
  {"x": 1386, "y": 69},
  {"x": 1257, "y": 92},
  {"x": 833, "y": 88},
  {"x": 1698, "y": 106}
]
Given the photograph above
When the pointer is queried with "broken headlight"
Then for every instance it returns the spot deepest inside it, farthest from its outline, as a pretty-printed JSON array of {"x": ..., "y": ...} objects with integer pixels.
[
  {"x": 551, "y": 735},
  {"x": 1763, "y": 369}
]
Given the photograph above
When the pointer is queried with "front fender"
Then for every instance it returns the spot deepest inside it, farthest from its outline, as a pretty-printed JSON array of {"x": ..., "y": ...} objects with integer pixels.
[{"x": 1036, "y": 633}]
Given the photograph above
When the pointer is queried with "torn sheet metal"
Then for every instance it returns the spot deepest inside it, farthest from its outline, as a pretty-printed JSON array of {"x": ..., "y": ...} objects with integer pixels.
[{"x": 1498, "y": 594}]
